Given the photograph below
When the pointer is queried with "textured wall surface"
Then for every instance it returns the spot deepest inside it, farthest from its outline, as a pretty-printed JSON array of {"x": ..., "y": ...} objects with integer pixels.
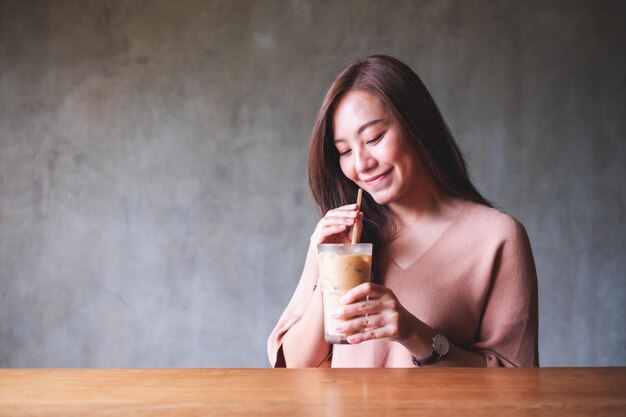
[{"x": 154, "y": 210}]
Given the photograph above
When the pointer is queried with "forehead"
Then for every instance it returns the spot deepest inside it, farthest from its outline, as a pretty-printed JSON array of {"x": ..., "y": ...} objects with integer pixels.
[{"x": 354, "y": 109}]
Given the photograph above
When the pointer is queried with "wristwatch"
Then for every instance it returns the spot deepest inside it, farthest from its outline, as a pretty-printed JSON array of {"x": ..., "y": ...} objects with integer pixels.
[{"x": 440, "y": 348}]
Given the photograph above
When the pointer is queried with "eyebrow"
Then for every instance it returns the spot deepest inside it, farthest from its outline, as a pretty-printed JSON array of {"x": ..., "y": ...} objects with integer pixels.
[{"x": 365, "y": 126}]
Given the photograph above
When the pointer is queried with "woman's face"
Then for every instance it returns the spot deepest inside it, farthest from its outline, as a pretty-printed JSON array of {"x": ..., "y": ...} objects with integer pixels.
[{"x": 372, "y": 149}]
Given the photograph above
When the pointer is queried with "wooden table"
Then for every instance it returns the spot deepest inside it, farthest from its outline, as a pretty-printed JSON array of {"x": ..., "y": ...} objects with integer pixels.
[{"x": 314, "y": 392}]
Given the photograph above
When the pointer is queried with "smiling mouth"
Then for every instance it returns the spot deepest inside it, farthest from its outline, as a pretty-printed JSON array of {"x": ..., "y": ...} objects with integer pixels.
[{"x": 375, "y": 179}]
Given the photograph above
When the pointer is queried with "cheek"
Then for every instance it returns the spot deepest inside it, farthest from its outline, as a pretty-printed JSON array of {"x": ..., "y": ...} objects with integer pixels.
[
  {"x": 347, "y": 167},
  {"x": 403, "y": 156},
  {"x": 396, "y": 151}
]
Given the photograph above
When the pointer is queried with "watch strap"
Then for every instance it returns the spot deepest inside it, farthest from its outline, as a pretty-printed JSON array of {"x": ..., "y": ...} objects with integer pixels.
[{"x": 432, "y": 357}]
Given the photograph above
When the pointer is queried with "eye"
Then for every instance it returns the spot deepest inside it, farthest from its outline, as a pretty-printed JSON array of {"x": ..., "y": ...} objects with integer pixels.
[
  {"x": 376, "y": 139},
  {"x": 345, "y": 153}
]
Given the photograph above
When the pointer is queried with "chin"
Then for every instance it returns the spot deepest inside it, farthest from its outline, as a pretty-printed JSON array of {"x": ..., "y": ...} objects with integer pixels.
[
  {"x": 390, "y": 194},
  {"x": 383, "y": 198}
]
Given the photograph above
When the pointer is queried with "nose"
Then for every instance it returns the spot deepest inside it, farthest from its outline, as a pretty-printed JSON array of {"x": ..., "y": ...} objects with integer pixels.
[{"x": 364, "y": 161}]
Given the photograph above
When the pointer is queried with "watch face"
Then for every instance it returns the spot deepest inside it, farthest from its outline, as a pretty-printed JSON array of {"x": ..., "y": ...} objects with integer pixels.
[{"x": 440, "y": 344}]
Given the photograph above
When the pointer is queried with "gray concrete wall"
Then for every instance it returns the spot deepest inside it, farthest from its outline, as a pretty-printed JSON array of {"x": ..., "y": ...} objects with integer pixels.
[{"x": 154, "y": 210}]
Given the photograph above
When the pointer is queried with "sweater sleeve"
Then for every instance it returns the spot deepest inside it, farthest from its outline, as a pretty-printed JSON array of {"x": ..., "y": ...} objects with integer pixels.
[
  {"x": 300, "y": 300},
  {"x": 508, "y": 334}
]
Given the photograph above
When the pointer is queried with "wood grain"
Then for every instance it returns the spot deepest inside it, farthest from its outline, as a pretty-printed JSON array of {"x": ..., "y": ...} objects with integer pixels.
[{"x": 313, "y": 392}]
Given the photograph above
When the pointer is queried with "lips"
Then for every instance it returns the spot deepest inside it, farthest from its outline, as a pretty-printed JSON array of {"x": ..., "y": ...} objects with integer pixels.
[{"x": 375, "y": 179}]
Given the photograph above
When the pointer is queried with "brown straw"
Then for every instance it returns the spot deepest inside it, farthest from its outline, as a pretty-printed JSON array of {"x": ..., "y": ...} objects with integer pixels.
[{"x": 355, "y": 228}]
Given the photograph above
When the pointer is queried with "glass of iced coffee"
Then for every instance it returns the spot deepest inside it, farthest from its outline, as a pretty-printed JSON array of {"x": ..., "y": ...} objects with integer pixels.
[{"x": 341, "y": 267}]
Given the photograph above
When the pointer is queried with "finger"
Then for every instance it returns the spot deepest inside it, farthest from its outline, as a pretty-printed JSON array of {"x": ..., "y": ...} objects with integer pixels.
[
  {"x": 333, "y": 230},
  {"x": 372, "y": 306},
  {"x": 368, "y": 334},
  {"x": 338, "y": 216},
  {"x": 337, "y": 220},
  {"x": 361, "y": 324},
  {"x": 349, "y": 210},
  {"x": 329, "y": 234},
  {"x": 351, "y": 207},
  {"x": 361, "y": 291},
  {"x": 329, "y": 226}
]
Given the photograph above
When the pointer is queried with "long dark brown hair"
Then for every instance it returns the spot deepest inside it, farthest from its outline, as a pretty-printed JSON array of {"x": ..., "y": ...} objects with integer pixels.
[{"x": 408, "y": 100}]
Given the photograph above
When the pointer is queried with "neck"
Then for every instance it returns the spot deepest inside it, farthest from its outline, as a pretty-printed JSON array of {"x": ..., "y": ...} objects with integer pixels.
[{"x": 429, "y": 203}]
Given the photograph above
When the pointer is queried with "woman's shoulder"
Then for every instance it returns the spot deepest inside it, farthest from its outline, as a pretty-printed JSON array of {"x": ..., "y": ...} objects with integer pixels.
[{"x": 493, "y": 222}]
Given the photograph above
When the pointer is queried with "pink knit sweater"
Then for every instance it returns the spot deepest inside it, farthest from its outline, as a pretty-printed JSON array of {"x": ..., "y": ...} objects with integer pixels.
[{"x": 476, "y": 284}]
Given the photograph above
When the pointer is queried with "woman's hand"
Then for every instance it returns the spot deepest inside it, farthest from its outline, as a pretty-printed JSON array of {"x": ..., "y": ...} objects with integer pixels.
[
  {"x": 380, "y": 316},
  {"x": 336, "y": 224}
]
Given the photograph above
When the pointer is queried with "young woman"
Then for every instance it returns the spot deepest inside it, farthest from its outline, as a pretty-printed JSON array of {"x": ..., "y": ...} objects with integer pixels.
[{"x": 454, "y": 278}]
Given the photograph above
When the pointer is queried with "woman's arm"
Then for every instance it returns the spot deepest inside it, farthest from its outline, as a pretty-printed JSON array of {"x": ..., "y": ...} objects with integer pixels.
[
  {"x": 508, "y": 334},
  {"x": 304, "y": 344},
  {"x": 298, "y": 338},
  {"x": 419, "y": 343},
  {"x": 382, "y": 316}
]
